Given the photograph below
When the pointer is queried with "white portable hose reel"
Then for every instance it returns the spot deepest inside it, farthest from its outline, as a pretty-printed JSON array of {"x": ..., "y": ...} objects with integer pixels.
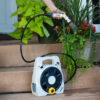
[{"x": 47, "y": 78}]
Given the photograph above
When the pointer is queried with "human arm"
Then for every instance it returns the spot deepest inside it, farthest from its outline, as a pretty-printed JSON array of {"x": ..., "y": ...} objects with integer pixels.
[{"x": 52, "y": 6}]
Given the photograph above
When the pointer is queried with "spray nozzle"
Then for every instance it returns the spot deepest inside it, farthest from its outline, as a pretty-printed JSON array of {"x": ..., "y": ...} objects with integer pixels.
[
  {"x": 61, "y": 16},
  {"x": 71, "y": 24}
]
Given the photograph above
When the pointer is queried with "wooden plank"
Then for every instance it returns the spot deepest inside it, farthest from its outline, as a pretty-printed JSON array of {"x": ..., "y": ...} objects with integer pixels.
[
  {"x": 10, "y": 54},
  {"x": 80, "y": 94},
  {"x": 87, "y": 79},
  {"x": 15, "y": 79},
  {"x": 19, "y": 79}
]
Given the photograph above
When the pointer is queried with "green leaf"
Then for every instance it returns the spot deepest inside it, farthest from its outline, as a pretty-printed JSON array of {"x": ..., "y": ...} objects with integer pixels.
[
  {"x": 13, "y": 14},
  {"x": 47, "y": 9},
  {"x": 37, "y": 29},
  {"x": 36, "y": 23},
  {"x": 45, "y": 31},
  {"x": 35, "y": 26},
  {"x": 29, "y": 12},
  {"x": 20, "y": 2},
  {"x": 22, "y": 23},
  {"x": 49, "y": 21},
  {"x": 39, "y": 21},
  {"x": 16, "y": 24},
  {"x": 27, "y": 32},
  {"x": 16, "y": 34},
  {"x": 25, "y": 41},
  {"x": 20, "y": 10},
  {"x": 27, "y": 37}
]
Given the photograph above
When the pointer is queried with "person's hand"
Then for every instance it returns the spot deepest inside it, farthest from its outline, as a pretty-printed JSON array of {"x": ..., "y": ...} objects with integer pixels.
[
  {"x": 53, "y": 9},
  {"x": 56, "y": 10}
]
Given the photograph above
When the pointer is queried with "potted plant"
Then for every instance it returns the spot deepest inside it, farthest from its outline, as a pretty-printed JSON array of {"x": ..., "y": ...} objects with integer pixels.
[
  {"x": 74, "y": 42},
  {"x": 26, "y": 10}
]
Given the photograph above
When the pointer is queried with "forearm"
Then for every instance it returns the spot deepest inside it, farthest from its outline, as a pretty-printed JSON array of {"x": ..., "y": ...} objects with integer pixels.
[{"x": 50, "y": 5}]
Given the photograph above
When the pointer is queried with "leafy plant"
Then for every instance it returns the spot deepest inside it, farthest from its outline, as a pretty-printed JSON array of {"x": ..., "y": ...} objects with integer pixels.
[
  {"x": 26, "y": 10},
  {"x": 74, "y": 41}
]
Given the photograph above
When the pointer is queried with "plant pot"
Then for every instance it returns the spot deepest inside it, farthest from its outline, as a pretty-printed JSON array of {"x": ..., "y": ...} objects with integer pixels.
[{"x": 85, "y": 53}]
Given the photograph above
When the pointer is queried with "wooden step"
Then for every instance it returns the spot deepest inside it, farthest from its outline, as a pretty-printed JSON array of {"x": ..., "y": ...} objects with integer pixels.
[
  {"x": 77, "y": 94},
  {"x": 19, "y": 79},
  {"x": 10, "y": 54}
]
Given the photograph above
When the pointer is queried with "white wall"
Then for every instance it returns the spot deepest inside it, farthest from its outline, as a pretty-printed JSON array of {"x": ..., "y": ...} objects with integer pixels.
[
  {"x": 98, "y": 25},
  {"x": 6, "y": 22}
]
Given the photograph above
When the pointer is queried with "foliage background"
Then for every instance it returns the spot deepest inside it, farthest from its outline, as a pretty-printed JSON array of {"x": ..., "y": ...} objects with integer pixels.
[{"x": 26, "y": 10}]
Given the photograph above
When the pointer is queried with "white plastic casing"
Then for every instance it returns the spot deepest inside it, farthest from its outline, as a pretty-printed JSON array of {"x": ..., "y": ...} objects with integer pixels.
[{"x": 37, "y": 72}]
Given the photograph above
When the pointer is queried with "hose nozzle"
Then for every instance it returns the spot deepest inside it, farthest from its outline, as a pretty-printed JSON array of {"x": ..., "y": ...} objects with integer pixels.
[{"x": 71, "y": 24}]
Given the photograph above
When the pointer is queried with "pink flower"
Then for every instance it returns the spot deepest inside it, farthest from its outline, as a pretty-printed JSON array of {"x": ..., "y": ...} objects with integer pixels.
[
  {"x": 56, "y": 28},
  {"x": 83, "y": 36},
  {"x": 68, "y": 29}
]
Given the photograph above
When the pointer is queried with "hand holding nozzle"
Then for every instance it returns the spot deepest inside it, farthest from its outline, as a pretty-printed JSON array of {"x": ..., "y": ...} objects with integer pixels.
[
  {"x": 61, "y": 16},
  {"x": 71, "y": 24}
]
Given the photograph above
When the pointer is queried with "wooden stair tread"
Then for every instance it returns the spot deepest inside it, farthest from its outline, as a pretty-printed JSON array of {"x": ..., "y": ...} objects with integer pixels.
[
  {"x": 10, "y": 54},
  {"x": 16, "y": 69},
  {"x": 76, "y": 94},
  {"x": 16, "y": 79}
]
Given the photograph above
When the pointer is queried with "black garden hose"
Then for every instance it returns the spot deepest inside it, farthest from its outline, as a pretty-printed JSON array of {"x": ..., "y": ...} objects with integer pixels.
[{"x": 30, "y": 61}]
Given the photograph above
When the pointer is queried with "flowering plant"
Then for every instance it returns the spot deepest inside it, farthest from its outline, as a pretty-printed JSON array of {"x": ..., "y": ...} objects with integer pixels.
[
  {"x": 80, "y": 15},
  {"x": 86, "y": 30},
  {"x": 74, "y": 41}
]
